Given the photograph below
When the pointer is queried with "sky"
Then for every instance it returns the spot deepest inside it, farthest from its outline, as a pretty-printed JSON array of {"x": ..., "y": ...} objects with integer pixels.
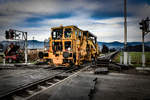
[{"x": 104, "y": 18}]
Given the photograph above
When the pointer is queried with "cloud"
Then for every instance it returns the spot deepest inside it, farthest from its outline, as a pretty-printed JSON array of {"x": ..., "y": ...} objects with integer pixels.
[
  {"x": 105, "y": 29},
  {"x": 140, "y": 11},
  {"x": 102, "y": 17},
  {"x": 46, "y": 6},
  {"x": 13, "y": 12}
]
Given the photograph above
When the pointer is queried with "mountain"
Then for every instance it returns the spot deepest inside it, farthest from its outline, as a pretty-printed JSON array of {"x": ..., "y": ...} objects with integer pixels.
[
  {"x": 114, "y": 44},
  {"x": 35, "y": 44},
  {"x": 117, "y": 45},
  {"x": 31, "y": 44}
]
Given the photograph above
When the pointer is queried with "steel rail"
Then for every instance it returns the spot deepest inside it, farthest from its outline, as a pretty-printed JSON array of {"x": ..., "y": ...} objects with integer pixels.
[{"x": 25, "y": 86}]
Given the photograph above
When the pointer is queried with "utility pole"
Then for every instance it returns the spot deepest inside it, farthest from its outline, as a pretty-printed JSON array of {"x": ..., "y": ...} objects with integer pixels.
[
  {"x": 143, "y": 50},
  {"x": 26, "y": 52},
  {"x": 33, "y": 42},
  {"x": 125, "y": 33}
]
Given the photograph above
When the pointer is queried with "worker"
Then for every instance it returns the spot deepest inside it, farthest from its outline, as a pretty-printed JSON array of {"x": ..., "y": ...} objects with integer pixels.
[{"x": 9, "y": 48}]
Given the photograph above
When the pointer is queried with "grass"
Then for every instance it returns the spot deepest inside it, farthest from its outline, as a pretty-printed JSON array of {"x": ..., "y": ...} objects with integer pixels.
[
  {"x": 136, "y": 58},
  {"x": 1, "y": 59}
]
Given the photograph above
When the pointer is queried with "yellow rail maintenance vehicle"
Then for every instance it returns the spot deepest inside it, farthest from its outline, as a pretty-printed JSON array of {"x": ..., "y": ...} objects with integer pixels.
[{"x": 69, "y": 45}]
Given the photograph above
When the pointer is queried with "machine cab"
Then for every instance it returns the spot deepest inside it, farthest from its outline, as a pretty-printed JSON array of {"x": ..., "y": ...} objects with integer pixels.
[
  {"x": 62, "y": 44},
  {"x": 69, "y": 45}
]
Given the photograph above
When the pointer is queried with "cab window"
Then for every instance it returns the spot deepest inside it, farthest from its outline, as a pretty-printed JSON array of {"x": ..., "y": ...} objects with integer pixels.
[
  {"x": 76, "y": 33},
  {"x": 57, "y": 46},
  {"x": 79, "y": 34},
  {"x": 57, "y": 33},
  {"x": 67, "y": 32},
  {"x": 68, "y": 45}
]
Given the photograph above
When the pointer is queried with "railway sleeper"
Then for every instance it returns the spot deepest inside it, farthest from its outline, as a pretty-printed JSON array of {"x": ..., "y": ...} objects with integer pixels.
[
  {"x": 20, "y": 95},
  {"x": 16, "y": 97},
  {"x": 41, "y": 87},
  {"x": 28, "y": 92},
  {"x": 102, "y": 65}
]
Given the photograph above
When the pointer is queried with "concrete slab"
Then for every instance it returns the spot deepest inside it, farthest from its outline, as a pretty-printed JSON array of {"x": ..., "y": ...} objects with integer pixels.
[
  {"x": 117, "y": 86},
  {"x": 101, "y": 70},
  {"x": 143, "y": 68},
  {"x": 114, "y": 86},
  {"x": 76, "y": 88}
]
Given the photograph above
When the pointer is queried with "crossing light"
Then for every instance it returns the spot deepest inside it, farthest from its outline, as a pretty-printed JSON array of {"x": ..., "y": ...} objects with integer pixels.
[
  {"x": 144, "y": 25},
  {"x": 7, "y": 35},
  {"x": 10, "y": 34},
  {"x": 141, "y": 25},
  {"x": 147, "y": 21}
]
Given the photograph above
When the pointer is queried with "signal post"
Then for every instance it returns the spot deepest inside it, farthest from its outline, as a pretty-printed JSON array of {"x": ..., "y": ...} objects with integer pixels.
[
  {"x": 16, "y": 35},
  {"x": 144, "y": 26}
]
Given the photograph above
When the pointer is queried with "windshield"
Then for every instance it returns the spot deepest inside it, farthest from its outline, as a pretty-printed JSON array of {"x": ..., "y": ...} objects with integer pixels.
[
  {"x": 57, "y": 33},
  {"x": 68, "y": 32},
  {"x": 68, "y": 45},
  {"x": 57, "y": 46}
]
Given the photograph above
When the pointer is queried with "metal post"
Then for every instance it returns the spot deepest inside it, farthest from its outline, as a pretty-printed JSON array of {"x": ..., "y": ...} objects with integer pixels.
[
  {"x": 121, "y": 59},
  {"x": 143, "y": 54},
  {"x": 121, "y": 55},
  {"x": 145, "y": 30},
  {"x": 125, "y": 33},
  {"x": 26, "y": 55},
  {"x": 4, "y": 62},
  {"x": 129, "y": 60},
  {"x": 33, "y": 42}
]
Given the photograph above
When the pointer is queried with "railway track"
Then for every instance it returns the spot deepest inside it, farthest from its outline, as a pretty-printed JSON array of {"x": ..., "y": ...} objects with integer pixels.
[
  {"x": 106, "y": 63},
  {"x": 27, "y": 91}
]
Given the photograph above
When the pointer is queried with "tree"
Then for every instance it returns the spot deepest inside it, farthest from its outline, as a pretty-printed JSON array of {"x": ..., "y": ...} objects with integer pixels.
[
  {"x": 112, "y": 49},
  {"x": 105, "y": 49}
]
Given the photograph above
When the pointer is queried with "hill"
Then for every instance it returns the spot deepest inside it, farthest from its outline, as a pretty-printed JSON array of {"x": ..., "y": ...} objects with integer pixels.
[{"x": 117, "y": 45}]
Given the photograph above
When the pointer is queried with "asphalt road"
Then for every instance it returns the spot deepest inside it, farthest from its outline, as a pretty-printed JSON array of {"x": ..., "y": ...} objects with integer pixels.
[
  {"x": 117, "y": 86},
  {"x": 114, "y": 86}
]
